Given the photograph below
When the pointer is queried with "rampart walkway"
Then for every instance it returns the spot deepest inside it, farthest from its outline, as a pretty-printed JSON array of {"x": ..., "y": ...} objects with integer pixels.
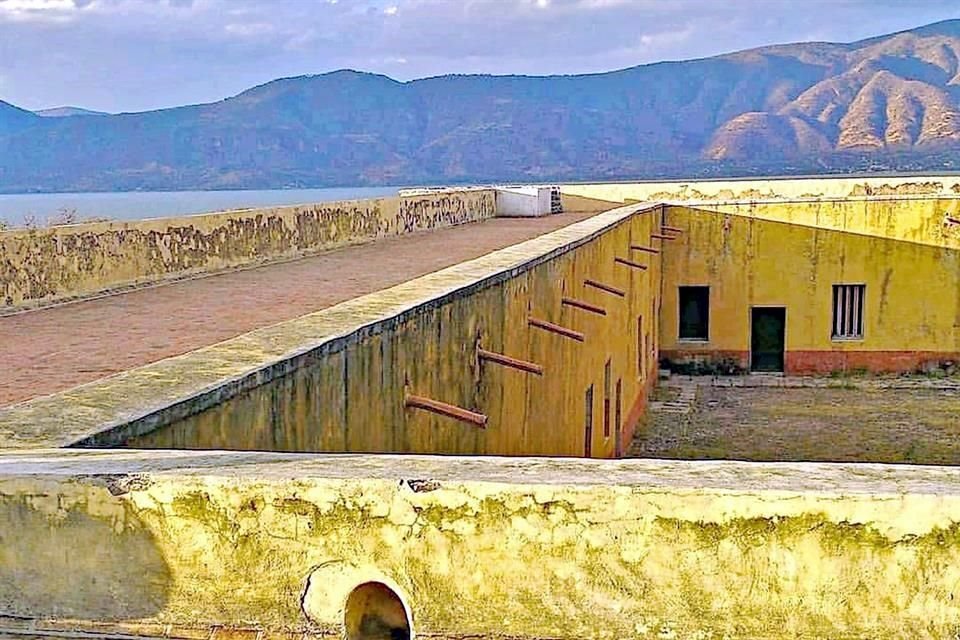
[{"x": 54, "y": 349}]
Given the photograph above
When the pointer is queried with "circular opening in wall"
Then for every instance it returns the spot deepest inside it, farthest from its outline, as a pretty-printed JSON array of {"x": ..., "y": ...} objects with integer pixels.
[{"x": 375, "y": 612}]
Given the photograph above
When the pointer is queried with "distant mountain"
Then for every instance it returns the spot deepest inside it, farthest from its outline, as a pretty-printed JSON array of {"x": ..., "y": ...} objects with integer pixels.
[
  {"x": 13, "y": 119},
  {"x": 66, "y": 112},
  {"x": 891, "y": 102}
]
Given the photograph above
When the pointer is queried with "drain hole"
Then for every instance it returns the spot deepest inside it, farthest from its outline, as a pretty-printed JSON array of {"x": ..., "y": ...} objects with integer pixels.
[{"x": 375, "y": 612}]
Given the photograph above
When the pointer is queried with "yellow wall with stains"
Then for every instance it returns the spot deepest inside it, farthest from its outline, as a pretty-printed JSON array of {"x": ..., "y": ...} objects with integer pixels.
[
  {"x": 912, "y": 301},
  {"x": 353, "y": 400},
  {"x": 921, "y": 220},
  {"x": 185, "y": 543},
  {"x": 41, "y": 266},
  {"x": 768, "y": 189}
]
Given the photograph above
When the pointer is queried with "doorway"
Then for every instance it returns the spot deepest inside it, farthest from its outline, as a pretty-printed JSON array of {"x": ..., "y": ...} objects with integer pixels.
[{"x": 767, "y": 339}]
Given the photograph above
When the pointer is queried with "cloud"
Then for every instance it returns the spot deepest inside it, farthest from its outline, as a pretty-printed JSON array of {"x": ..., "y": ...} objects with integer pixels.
[
  {"x": 139, "y": 54},
  {"x": 38, "y": 10}
]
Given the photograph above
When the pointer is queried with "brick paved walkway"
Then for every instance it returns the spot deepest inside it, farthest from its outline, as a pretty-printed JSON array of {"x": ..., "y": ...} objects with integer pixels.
[{"x": 49, "y": 350}]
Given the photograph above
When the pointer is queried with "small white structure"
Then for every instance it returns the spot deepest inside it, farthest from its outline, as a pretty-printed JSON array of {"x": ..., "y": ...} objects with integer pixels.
[
  {"x": 527, "y": 201},
  {"x": 513, "y": 201}
]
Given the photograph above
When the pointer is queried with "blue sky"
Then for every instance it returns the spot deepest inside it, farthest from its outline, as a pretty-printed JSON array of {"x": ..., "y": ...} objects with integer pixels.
[{"x": 129, "y": 55}]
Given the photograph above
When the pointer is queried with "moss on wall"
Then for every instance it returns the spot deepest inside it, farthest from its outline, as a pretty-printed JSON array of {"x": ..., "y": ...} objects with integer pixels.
[{"x": 597, "y": 553}]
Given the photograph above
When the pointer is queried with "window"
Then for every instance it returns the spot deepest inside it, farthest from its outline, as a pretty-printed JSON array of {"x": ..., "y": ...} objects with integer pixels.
[
  {"x": 848, "y": 311},
  {"x": 606, "y": 400},
  {"x": 618, "y": 416},
  {"x": 694, "y": 313},
  {"x": 641, "y": 369},
  {"x": 588, "y": 422}
]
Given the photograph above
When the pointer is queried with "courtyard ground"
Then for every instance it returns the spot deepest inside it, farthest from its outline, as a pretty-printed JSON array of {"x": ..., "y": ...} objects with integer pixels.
[{"x": 910, "y": 421}]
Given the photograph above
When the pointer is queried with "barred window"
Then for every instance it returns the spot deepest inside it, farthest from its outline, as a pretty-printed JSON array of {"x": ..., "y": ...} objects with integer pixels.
[{"x": 848, "y": 311}]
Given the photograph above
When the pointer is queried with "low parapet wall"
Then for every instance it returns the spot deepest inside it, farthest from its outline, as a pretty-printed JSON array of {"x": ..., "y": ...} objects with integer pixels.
[
  {"x": 43, "y": 266},
  {"x": 700, "y": 191},
  {"x": 181, "y": 543},
  {"x": 338, "y": 379}
]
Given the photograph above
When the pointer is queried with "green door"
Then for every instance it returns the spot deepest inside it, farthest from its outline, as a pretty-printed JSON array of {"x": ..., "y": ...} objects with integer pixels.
[{"x": 768, "y": 338}]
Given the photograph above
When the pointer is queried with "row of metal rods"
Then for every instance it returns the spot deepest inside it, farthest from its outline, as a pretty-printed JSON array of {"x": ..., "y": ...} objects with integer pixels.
[{"x": 480, "y": 419}]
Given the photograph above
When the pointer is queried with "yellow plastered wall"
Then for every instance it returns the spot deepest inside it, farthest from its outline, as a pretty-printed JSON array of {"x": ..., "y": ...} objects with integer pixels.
[
  {"x": 353, "y": 400},
  {"x": 915, "y": 219},
  {"x": 763, "y": 189},
  {"x": 911, "y": 308},
  {"x": 179, "y": 546},
  {"x": 42, "y": 266}
]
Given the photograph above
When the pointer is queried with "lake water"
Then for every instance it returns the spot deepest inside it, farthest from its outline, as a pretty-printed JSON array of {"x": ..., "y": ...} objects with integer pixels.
[{"x": 16, "y": 209}]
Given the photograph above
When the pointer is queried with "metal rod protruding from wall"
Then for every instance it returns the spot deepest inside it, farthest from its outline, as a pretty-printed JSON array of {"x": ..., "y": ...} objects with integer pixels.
[
  {"x": 444, "y": 409},
  {"x": 671, "y": 229},
  {"x": 637, "y": 247},
  {"x": 604, "y": 287},
  {"x": 662, "y": 236},
  {"x": 507, "y": 361},
  {"x": 586, "y": 306},
  {"x": 953, "y": 220},
  {"x": 555, "y": 328},
  {"x": 630, "y": 263}
]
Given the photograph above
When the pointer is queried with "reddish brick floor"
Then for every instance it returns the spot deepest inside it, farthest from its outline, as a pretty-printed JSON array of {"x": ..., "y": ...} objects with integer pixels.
[{"x": 49, "y": 350}]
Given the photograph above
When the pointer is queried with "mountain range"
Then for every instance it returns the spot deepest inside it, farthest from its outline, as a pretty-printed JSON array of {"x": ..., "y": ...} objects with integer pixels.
[{"x": 890, "y": 103}]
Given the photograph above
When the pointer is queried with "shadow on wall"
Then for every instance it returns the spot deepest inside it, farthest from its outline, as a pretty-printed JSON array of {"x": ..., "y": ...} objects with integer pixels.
[{"x": 61, "y": 562}]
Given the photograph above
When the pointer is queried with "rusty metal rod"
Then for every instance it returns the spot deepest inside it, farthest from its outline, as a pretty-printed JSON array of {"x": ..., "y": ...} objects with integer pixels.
[
  {"x": 671, "y": 229},
  {"x": 662, "y": 236},
  {"x": 630, "y": 263},
  {"x": 604, "y": 287},
  {"x": 586, "y": 306},
  {"x": 507, "y": 361},
  {"x": 448, "y": 410},
  {"x": 555, "y": 328},
  {"x": 637, "y": 247}
]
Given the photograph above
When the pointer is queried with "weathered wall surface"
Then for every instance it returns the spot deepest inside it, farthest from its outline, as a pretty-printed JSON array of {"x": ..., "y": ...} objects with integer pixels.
[
  {"x": 915, "y": 219},
  {"x": 175, "y": 543},
  {"x": 912, "y": 302},
  {"x": 353, "y": 399},
  {"x": 336, "y": 380},
  {"x": 770, "y": 189},
  {"x": 46, "y": 265}
]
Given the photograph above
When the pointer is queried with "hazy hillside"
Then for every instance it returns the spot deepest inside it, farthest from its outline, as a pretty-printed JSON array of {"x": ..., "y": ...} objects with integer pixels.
[
  {"x": 13, "y": 119},
  {"x": 891, "y": 102}
]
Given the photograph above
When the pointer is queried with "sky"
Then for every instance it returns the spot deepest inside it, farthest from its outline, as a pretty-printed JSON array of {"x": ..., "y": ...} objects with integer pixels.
[{"x": 134, "y": 55}]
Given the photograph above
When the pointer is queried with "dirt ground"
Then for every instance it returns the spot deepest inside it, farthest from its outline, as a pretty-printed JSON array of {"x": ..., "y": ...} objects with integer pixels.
[{"x": 917, "y": 426}]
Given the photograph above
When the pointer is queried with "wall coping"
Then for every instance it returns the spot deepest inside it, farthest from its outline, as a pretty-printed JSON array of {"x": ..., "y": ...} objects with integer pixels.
[{"x": 728, "y": 476}]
